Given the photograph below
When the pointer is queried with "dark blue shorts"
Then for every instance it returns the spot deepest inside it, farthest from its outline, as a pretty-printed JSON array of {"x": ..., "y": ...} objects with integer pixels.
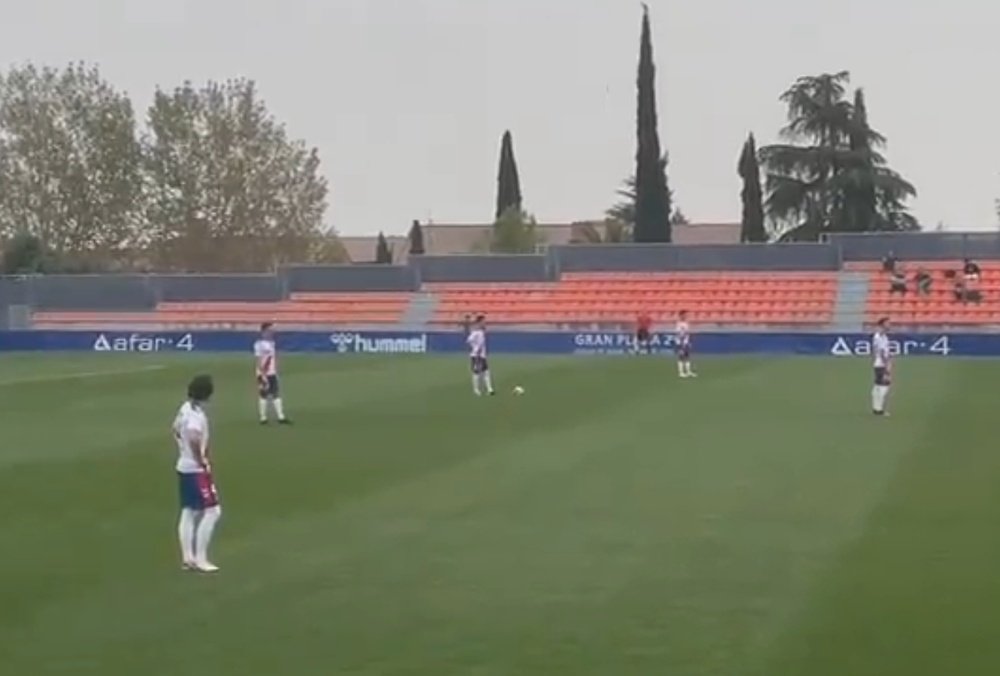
[
  {"x": 479, "y": 365},
  {"x": 683, "y": 351},
  {"x": 881, "y": 376},
  {"x": 197, "y": 490},
  {"x": 268, "y": 386}
]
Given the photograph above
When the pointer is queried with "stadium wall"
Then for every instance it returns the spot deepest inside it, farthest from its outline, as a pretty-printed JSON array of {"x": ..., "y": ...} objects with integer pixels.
[
  {"x": 918, "y": 246},
  {"x": 501, "y": 342}
]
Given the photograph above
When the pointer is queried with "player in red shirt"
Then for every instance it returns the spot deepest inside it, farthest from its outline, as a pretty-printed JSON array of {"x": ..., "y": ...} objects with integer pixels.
[{"x": 643, "y": 332}]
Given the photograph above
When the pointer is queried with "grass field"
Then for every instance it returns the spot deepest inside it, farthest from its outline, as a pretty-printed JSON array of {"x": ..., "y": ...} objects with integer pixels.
[{"x": 612, "y": 521}]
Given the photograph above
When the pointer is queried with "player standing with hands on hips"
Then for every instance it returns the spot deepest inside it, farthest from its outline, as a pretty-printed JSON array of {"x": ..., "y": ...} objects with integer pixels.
[
  {"x": 200, "y": 509},
  {"x": 268, "y": 387},
  {"x": 882, "y": 363}
]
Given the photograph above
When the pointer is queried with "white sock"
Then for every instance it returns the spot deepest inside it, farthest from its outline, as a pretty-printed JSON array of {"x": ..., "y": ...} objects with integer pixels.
[
  {"x": 877, "y": 398},
  {"x": 262, "y": 409},
  {"x": 203, "y": 534},
  {"x": 680, "y": 369},
  {"x": 279, "y": 408},
  {"x": 488, "y": 381},
  {"x": 883, "y": 395},
  {"x": 475, "y": 384},
  {"x": 185, "y": 533}
]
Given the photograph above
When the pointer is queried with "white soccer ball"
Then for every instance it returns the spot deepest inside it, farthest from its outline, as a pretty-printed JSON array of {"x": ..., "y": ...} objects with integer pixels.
[{"x": 518, "y": 390}]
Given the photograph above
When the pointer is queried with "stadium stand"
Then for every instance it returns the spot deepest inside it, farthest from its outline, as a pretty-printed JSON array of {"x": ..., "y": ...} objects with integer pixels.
[
  {"x": 710, "y": 298},
  {"x": 301, "y": 308},
  {"x": 837, "y": 285},
  {"x": 939, "y": 306}
]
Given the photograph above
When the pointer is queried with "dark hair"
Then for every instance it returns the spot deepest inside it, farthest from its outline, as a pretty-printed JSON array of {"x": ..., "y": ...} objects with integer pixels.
[
  {"x": 265, "y": 326},
  {"x": 480, "y": 318},
  {"x": 201, "y": 388},
  {"x": 883, "y": 321}
]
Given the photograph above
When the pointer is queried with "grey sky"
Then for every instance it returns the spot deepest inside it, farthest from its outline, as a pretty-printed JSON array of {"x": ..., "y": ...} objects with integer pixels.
[{"x": 407, "y": 99}]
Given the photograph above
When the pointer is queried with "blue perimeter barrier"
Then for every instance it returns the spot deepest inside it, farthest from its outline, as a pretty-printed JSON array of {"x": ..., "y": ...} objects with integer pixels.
[{"x": 502, "y": 342}]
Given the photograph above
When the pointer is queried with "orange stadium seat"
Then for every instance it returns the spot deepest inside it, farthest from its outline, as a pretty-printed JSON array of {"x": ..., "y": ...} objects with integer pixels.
[
  {"x": 311, "y": 308},
  {"x": 740, "y": 298}
]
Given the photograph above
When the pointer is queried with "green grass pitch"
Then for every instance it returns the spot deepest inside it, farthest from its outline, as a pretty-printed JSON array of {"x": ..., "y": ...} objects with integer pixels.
[{"x": 612, "y": 521}]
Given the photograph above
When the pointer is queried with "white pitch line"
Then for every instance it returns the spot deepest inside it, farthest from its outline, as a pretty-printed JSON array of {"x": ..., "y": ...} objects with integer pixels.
[{"x": 56, "y": 377}]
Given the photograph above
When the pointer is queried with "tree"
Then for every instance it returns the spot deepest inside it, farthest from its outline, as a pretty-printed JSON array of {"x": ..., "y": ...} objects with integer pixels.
[
  {"x": 508, "y": 182},
  {"x": 623, "y": 211},
  {"x": 416, "y": 238},
  {"x": 515, "y": 232},
  {"x": 70, "y": 164},
  {"x": 26, "y": 254},
  {"x": 752, "y": 224},
  {"x": 326, "y": 247},
  {"x": 652, "y": 198},
  {"x": 611, "y": 231},
  {"x": 829, "y": 176},
  {"x": 229, "y": 190},
  {"x": 383, "y": 252}
]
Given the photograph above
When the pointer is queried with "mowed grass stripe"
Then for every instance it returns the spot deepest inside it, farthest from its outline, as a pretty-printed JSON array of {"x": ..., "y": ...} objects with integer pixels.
[
  {"x": 918, "y": 593},
  {"x": 356, "y": 536},
  {"x": 464, "y": 425},
  {"x": 275, "y": 453}
]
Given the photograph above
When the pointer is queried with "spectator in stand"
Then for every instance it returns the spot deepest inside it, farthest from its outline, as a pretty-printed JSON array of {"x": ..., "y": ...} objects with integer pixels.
[
  {"x": 897, "y": 283},
  {"x": 966, "y": 294},
  {"x": 923, "y": 281},
  {"x": 889, "y": 262},
  {"x": 959, "y": 290},
  {"x": 971, "y": 270}
]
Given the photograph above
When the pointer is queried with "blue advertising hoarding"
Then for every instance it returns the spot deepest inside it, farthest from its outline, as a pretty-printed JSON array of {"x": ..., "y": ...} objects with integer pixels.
[{"x": 502, "y": 342}]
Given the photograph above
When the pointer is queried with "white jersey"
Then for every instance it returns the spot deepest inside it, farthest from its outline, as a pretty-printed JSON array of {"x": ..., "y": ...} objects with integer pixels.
[
  {"x": 477, "y": 343},
  {"x": 190, "y": 423},
  {"x": 683, "y": 333},
  {"x": 880, "y": 350},
  {"x": 267, "y": 357}
]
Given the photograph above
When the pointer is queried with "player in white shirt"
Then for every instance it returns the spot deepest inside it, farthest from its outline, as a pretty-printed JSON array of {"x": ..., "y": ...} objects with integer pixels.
[
  {"x": 200, "y": 508},
  {"x": 882, "y": 363},
  {"x": 268, "y": 388},
  {"x": 476, "y": 341},
  {"x": 682, "y": 345}
]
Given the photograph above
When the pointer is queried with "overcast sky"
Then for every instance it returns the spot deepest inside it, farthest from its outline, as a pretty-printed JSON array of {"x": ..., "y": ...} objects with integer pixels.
[{"x": 407, "y": 99}]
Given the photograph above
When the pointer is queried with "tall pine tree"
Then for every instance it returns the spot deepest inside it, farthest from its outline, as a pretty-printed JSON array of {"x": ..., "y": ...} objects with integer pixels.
[
  {"x": 752, "y": 229},
  {"x": 508, "y": 182},
  {"x": 416, "y": 238},
  {"x": 652, "y": 198}
]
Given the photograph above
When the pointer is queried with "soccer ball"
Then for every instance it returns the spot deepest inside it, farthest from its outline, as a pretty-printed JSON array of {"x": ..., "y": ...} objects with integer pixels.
[{"x": 518, "y": 390}]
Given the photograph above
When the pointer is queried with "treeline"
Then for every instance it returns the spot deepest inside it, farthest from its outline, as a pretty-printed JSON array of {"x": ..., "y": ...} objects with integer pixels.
[
  {"x": 209, "y": 181},
  {"x": 827, "y": 174}
]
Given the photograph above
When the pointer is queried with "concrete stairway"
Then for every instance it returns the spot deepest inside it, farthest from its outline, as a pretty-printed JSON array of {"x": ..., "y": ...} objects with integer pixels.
[
  {"x": 849, "y": 306},
  {"x": 419, "y": 312}
]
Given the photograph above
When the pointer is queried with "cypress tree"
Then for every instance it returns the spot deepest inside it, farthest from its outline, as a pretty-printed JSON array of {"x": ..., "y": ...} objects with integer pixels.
[
  {"x": 383, "y": 254},
  {"x": 416, "y": 237},
  {"x": 861, "y": 203},
  {"x": 752, "y": 229},
  {"x": 652, "y": 197},
  {"x": 508, "y": 182}
]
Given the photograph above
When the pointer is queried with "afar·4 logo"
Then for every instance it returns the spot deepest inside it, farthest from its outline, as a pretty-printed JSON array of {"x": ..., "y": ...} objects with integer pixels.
[
  {"x": 138, "y": 342},
  {"x": 862, "y": 347}
]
